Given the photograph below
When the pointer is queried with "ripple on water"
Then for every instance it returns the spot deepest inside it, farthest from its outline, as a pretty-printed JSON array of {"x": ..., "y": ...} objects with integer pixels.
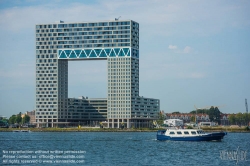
[{"x": 128, "y": 148}]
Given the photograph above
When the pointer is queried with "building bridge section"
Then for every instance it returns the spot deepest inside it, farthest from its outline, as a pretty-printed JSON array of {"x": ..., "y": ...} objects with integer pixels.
[{"x": 97, "y": 53}]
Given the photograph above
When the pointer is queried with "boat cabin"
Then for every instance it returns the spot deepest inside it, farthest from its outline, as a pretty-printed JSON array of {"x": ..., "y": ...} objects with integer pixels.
[{"x": 180, "y": 132}]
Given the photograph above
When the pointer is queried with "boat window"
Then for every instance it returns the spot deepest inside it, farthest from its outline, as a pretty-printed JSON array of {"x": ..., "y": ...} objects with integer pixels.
[
  {"x": 193, "y": 132},
  {"x": 186, "y": 132},
  {"x": 200, "y": 132},
  {"x": 171, "y": 132},
  {"x": 178, "y": 132}
]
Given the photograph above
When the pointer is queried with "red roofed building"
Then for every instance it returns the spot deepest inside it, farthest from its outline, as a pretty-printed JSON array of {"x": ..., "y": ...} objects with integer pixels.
[
  {"x": 186, "y": 117},
  {"x": 224, "y": 119}
]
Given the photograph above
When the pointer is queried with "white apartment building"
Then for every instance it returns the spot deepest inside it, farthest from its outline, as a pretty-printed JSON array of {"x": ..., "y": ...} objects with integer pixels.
[{"x": 117, "y": 42}]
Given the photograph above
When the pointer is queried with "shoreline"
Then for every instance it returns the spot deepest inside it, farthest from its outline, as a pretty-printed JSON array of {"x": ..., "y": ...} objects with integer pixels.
[
  {"x": 77, "y": 130},
  {"x": 89, "y": 129}
]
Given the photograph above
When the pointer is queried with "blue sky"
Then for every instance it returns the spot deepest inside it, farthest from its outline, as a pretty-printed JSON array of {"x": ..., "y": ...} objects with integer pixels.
[{"x": 191, "y": 52}]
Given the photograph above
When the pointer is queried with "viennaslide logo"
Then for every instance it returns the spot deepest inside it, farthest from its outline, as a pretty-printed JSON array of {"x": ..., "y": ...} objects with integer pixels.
[{"x": 234, "y": 155}]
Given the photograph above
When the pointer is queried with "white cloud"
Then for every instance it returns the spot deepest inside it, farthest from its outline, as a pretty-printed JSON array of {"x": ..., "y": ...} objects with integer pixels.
[
  {"x": 172, "y": 47},
  {"x": 166, "y": 17},
  {"x": 187, "y": 50}
]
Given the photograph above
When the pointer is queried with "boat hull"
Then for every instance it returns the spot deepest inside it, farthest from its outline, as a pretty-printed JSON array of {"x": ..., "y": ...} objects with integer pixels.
[
  {"x": 21, "y": 130},
  {"x": 218, "y": 136}
]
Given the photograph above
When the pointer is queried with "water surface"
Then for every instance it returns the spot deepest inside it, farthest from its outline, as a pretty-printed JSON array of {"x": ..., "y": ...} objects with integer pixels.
[{"x": 128, "y": 148}]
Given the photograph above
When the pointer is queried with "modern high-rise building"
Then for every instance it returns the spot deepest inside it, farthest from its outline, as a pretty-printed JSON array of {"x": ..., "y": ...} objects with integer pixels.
[{"x": 117, "y": 42}]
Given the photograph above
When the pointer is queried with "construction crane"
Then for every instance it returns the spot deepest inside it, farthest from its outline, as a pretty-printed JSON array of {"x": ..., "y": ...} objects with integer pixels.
[
  {"x": 204, "y": 108},
  {"x": 201, "y": 108},
  {"x": 196, "y": 112},
  {"x": 208, "y": 107},
  {"x": 246, "y": 106}
]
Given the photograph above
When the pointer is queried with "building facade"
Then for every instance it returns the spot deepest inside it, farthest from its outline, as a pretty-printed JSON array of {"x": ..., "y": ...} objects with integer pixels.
[
  {"x": 117, "y": 42},
  {"x": 187, "y": 117},
  {"x": 31, "y": 114}
]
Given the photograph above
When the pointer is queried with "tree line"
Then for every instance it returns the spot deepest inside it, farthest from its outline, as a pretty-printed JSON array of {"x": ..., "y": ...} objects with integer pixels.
[
  {"x": 215, "y": 116},
  {"x": 240, "y": 119},
  {"x": 213, "y": 113},
  {"x": 18, "y": 119}
]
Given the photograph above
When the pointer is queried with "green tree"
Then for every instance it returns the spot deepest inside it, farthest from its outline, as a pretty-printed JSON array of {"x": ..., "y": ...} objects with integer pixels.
[
  {"x": 193, "y": 112},
  {"x": 4, "y": 122},
  {"x": 161, "y": 119},
  {"x": 245, "y": 119},
  {"x": 26, "y": 119},
  {"x": 200, "y": 111},
  {"x": 239, "y": 118},
  {"x": 12, "y": 119},
  {"x": 217, "y": 114},
  {"x": 213, "y": 113},
  {"x": 232, "y": 119},
  {"x": 192, "y": 119},
  {"x": 18, "y": 119}
]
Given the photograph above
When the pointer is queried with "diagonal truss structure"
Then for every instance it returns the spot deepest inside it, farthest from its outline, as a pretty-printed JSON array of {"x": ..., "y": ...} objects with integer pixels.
[{"x": 96, "y": 53}]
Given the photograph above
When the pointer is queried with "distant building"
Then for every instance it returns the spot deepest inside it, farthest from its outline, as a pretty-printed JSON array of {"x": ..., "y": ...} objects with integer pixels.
[
  {"x": 224, "y": 119},
  {"x": 186, "y": 117},
  {"x": 207, "y": 124},
  {"x": 173, "y": 122},
  {"x": 31, "y": 114},
  {"x": 202, "y": 118},
  {"x": 92, "y": 111}
]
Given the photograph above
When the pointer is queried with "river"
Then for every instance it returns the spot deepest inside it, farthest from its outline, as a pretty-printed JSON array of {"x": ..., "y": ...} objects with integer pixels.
[{"x": 118, "y": 148}]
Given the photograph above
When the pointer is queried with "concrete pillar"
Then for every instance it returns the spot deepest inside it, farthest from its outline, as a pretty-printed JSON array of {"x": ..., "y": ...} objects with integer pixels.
[{"x": 118, "y": 125}]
